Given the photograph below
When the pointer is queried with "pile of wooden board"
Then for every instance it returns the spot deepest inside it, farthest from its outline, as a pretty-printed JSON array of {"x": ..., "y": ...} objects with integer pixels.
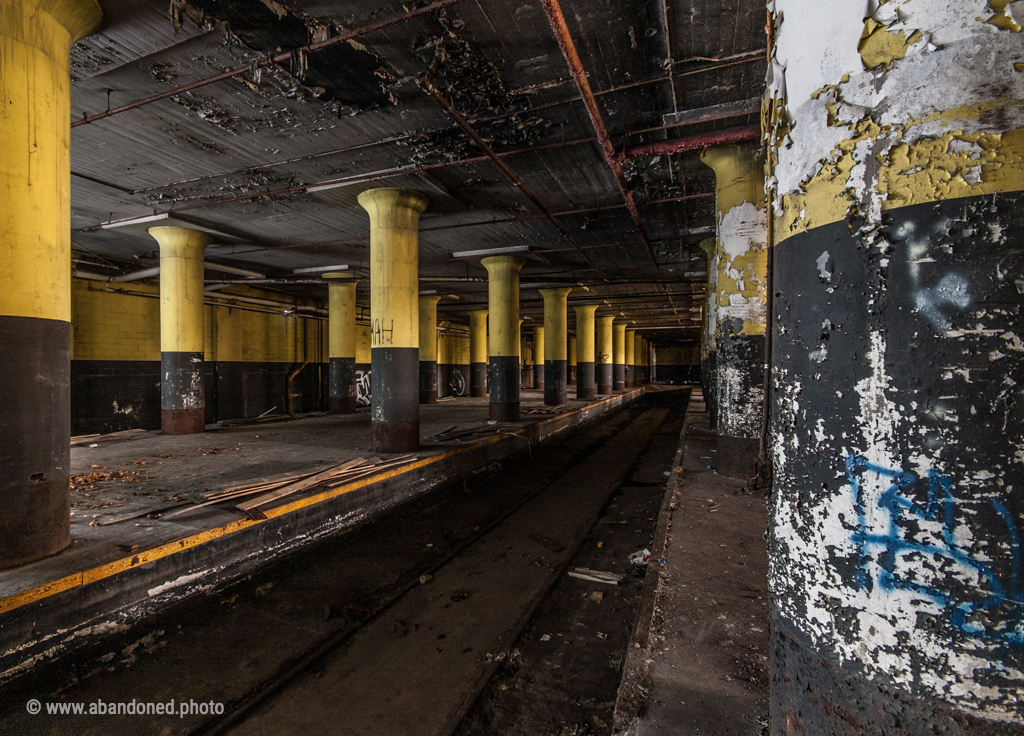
[
  {"x": 88, "y": 439},
  {"x": 272, "y": 488},
  {"x": 269, "y": 418},
  {"x": 463, "y": 434},
  {"x": 549, "y": 409}
]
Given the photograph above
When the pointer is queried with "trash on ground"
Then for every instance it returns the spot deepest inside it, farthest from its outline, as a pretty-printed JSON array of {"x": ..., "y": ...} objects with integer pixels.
[{"x": 596, "y": 576}]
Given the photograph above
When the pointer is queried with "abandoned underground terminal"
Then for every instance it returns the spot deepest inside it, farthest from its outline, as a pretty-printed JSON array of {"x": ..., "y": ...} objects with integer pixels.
[{"x": 512, "y": 367}]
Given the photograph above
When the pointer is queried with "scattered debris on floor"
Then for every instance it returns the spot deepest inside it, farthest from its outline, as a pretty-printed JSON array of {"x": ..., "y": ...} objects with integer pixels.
[
  {"x": 267, "y": 418},
  {"x": 596, "y": 576},
  {"x": 92, "y": 439},
  {"x": 461, "y": 433}
]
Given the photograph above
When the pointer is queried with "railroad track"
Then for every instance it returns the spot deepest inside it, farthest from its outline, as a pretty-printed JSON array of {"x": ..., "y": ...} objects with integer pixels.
[{"x": 412, "y": 654}]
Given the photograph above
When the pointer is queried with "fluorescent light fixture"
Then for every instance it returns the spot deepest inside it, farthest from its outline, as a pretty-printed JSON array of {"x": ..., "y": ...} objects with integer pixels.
[
  {"x": 135, "y": 221},
  {"x": 428, "y": 292},
  {"x": 508, "y": 250},
  {"x": 320, "y": 269}
]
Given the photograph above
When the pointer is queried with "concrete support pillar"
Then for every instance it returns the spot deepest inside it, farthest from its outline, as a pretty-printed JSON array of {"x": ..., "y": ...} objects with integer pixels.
[
  {"x": 428, "y": 349},
  {"x": 556, "y": 339},
  {"x": 341, "y": 325},
  {"x": 442, "y": 364},
  {"x": 571, "y": 352},
  {"x": 182, "y": 393},
  {"x": 478, "y": 353},
  {"x": 897, "y": 372},
  {"x": 394, "y": 317},
  {"x": 35, "y": 273},
  {"x": 709, "y": 329},
  {"x": 586, "y": 386},
  {"x": 604, "y": 355},
  {"x": 538, "y": 356},
  {"x": 630, "y": 358},
  {"x": 638, "y": 369},
  {"x": 741, "y": 260},
  {"x": 503, "y": 367},
  {"x": 618, "y": 356}
]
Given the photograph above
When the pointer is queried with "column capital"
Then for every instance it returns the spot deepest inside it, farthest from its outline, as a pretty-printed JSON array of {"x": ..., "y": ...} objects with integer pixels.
[{"x": 180, "y": 241}]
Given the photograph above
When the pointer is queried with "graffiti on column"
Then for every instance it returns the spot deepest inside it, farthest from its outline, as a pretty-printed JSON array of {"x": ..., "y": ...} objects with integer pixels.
[
  {"x": 363, "y": 388},
  {"x": 910, "y": 536},
  {"x": 457, "y": 383}
]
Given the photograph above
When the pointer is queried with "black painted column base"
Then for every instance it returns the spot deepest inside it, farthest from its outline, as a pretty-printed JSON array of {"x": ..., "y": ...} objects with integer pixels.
[
  {"x": 538, "y": 376},
  {"x": 428, "y": 382},
  {"x": 618, "y": 377},
  {"x": 585, "y": 388},
  {"x": 35, "y": 430},
  {"x": 478, "y": 379},
  {"x": 504, "y": 382},
  {"x": 527, "y": 377},
  {"x": 604, "y": 379},
  {"x": 341, "y": 386},
  {"x": 555, "y": 382},
  {"x": 395, "y": 410},
  {"x": 812, "y": 694},
  {"x": 737, "y": 456},
  {"x": 572, "y": 376},
  {"x": 629, "y": 381},
  {"x": 182, "y": 394}
]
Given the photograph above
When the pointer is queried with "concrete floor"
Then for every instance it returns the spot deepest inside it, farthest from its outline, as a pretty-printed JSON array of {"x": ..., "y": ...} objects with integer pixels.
[
  {"x": 160, "y": 471},
  {"x": 703, "y": 666}
]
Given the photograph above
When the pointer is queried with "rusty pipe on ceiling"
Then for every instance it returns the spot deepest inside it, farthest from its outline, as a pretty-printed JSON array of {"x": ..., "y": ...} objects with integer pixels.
[
  {"x": 579, "y": 74},
  {"x": 691, "y": 143},
  {"x": 270, "y": 60}
]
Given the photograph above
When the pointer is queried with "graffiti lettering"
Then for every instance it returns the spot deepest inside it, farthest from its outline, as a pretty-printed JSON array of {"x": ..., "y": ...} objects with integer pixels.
[
  {"x": 363, "y": 388},
  {"x": 905, "y": 545},
  {"x": 381, "y": 333}
]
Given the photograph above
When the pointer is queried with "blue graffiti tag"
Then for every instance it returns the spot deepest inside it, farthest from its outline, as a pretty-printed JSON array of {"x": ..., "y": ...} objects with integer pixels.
[{"x": 886, "y": 549}]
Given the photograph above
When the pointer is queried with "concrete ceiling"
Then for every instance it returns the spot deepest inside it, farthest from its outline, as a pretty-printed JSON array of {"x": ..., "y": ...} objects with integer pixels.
[{"x": 246, "y": 156}]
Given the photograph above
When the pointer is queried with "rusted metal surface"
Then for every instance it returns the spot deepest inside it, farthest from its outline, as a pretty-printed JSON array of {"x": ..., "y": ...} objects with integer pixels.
[{"x": 691, "y": 143}]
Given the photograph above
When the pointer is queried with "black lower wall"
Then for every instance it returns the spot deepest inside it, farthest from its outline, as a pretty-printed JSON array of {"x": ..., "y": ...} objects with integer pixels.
[
  {"x": 108, "y": 396},
  {"x": 678, "y": 374}
]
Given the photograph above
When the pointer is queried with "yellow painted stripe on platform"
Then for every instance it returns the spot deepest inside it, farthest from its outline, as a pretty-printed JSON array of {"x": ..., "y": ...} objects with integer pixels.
[{"x": 9, "y": 603}]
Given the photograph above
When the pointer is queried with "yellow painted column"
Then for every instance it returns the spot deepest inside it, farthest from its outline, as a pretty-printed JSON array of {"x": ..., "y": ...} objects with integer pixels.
[
  {"x": 341, "y": 315},
  {"x": 503, "y": 345},
  {"x": 630, "y": 347},
  {"x": 394, "y": 317},
  {"x": 618, "y": 356},
  {"x": 555, "y": 357},
  {"x": 35, "y": 273},
  {"x": 182, "y": 334},
  {"x": 586, "y": 386},
  {"x": 741, "y": 262},
  {"x": 428, "y": 349},
  {"x": 538, "y": 356},
  {"x": 605, "y": 355},
  {"x": 478, "y": 353}
]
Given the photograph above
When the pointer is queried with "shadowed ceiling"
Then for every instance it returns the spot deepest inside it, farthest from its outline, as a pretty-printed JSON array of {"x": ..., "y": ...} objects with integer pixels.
[{"x": 273, "y": 158}]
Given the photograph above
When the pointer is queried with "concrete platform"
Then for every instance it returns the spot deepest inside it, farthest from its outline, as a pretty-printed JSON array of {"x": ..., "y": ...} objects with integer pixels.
[
  {"x": 113, "y": 574},
  {"x": 697, "y": 662}
]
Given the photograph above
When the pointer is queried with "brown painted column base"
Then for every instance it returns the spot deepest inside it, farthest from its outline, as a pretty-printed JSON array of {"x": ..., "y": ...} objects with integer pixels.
[
  {"x": 604, "y": 379},
  {"x": 341, "y": 405},
  {"x": 737, "y": 456},
  {"x": 504, "y": 380},
  {"x": 182, "y": 421},
  {"x": 812, "y": 693},
  {"x": 503, "y": 412},
  {"x": 428, "y": 382},
  {"x": 538, "y": 376},
  {"x": 478, "y": 379}
]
